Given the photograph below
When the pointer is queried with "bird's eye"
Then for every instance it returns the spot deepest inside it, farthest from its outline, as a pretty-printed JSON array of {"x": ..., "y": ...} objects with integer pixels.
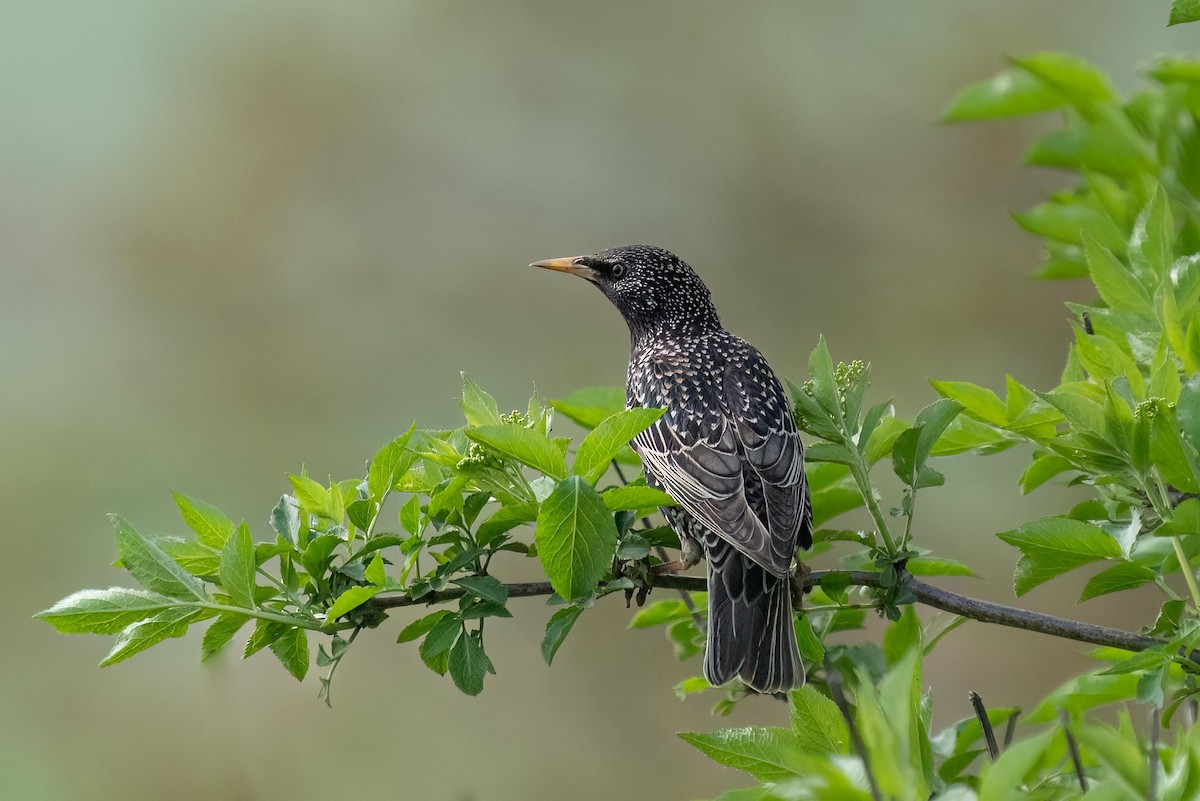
[{"x": 618, "y": 271}]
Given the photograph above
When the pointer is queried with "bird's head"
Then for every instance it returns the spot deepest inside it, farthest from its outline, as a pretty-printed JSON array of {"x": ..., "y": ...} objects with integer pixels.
[{"x": 651, "y": 287}]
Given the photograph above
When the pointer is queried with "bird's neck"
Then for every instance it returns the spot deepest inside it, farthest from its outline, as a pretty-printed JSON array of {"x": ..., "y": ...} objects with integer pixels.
[{"x": 672, "y": 329}]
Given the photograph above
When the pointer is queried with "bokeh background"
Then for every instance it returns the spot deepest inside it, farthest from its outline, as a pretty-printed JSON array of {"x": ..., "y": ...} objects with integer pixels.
[{"x": 236, "y": 239}]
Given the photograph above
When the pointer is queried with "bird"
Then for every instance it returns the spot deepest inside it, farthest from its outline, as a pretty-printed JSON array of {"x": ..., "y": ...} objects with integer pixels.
[{"x": 725, "y": 450}]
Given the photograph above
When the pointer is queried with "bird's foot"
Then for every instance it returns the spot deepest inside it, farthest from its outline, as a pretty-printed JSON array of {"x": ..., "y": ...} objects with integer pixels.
[
  {"x": 800, "y": 586},
  {"x": 674, "y": 566}
]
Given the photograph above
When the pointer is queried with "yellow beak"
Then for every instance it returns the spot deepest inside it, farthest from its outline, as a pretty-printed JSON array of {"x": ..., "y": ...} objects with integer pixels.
[{"x": 568, "y": 265}]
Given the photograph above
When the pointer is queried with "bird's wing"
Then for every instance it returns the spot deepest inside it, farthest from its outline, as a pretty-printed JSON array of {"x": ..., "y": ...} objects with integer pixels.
[
  {"x": 764, "y": 425},
  {"x": 695, "y": 452}
]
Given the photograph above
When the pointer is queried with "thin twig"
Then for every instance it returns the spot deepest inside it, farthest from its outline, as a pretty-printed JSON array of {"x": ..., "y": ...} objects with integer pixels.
[
  {"x": 833, "y": 680},
  {"x": 986, "y": 724},
  {"x": 1011, "y": 730},
  {"x": 973, "y": 608},
  {"x": 1073, "y": 750}
]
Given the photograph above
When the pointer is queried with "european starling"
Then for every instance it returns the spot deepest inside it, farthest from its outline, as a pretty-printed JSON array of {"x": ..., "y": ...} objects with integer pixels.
[{"x": 726, "y": 451}]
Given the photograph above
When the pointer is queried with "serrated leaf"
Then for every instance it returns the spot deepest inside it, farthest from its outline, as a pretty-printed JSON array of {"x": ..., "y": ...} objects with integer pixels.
[
  {"x": 211, "y": 525},
  {"x": 285, "y": 520},
  {"x": 523, "y": 444},
  {"x": 436, "y": 646},
  {"x": 937, "y": 566},
  {"x": 818, "y": 725},
  {"x": 1012, "y": 93},
  {"x": 291, "y": 648},
  {"x": 194, "y": 557},
  {"x": 390, "y": 464},
  {"x": 632, "y": 497},
  {"x": 104, "y": 611},
  {"x": 265, "y": 632},
  {"x": 487, "y": 588},
  {"x": 375, "y": 571},
  {"x": 1054, "y": 545},
  {"x": 979, "y": 402},
  {"x": 137, "y": 637},
  {"x": 1121, "y": 576},
  {"x": 912, "y": 447},
  {"x": 421, "y": 625},
  {"x": 1114, "y": 281},
  {"x": 350, "y": 600},
  {"x": 601, "y": 445},
  {"x": 1184, "y": 11},
  {"x": 478, "y": 406},
  {"x": 768, "y": 754},
  {"x": 505, "y": 519},
  {"x": 1042, "y": 470},
  {"x": 557, "y": 629},
  {"x": 576, "y": 538},
  {"x": 589, "y": 406},
  {"x": 902, "y": 636},
  {"x": 469, "y": 664},
  {"x": 155, "y": 570},
  {"x": 237, "y": 567},
  {"x": 220, "y": 633},
  {"x": 666, "y": 611}
]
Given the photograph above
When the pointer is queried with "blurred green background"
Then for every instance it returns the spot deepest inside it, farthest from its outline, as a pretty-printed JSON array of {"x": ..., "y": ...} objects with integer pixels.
[{"x": 242, "y": 238}]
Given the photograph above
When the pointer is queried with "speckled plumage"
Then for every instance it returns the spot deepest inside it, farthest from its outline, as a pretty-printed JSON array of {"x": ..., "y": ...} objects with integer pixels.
[{"x": 726, "y": 451}]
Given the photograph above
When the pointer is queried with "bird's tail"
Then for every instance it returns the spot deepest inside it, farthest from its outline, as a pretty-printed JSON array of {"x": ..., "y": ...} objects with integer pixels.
[{"x": 751, "y": 633}]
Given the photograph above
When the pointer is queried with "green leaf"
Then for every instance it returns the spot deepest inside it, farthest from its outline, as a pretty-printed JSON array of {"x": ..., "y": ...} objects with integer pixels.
[
  {"x": 818, "y": 725},
  {"x": 155, "y": 570},
  {"x": 220, "y": 633},
  {"x": 350, "y": 600},
  {"x": 285, "y": 519},
  {"x": 912, "y": 447},
  {"x": 632, "y": 497},
  {"x": 1012, "y": 93},
  {"x": 599, "y": 447},
  {"x": 375, "y": 571},
  {"x": 137, "y": 637},
  {"x": 194, "y": 557},
  {"x": 438, "y": 642},
  {"x": 211, "y": 525},
  {"x": 390, "y": 464},
  {"x": 421, "y": 625},
  {"x": 1053, "y": 545},
  {"x": 557, "y": 629},
  {"x": 666, "y": 611},
  {"x": 479, "y": 407},
  {"x": 523, "y": 444},
  {"x": 576, "y": 538},
  {"x": 1001, "y": 780},
  {"x": 237, "y": 567},
  {"x": 1115, "y": 283},
  {"x": 1042, "y": 470},
  {"x": 505, "y": 519},
  {"x": 1187, "y": 411},
  {"x": 486, "y": 588},
  {"x": 902, "y": 636},
  {"x": 979, "y": 402},
  {"x": 291, "y": 648},
  {"x": 1121, "y": 576},
  {"x": 768, "y": 754},
  {"x": 1184, "y": 11},
  {"x": 588, "y": 407},
  {"x": 104, "y": 611},
  {"x": 938, "y": 566},
  {"x": 468, "y": 664},
  {"x": 265, "y": 632},
  {"x": 1081, "y": 83},
  {"x": 824, "y": 385}
]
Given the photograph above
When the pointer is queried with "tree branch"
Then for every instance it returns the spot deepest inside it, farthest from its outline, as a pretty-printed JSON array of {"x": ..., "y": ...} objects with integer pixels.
[{"x": 973, "y": 608}]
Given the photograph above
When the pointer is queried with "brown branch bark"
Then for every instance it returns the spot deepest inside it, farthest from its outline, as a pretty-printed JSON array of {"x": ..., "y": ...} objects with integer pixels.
[{"x": 973, "y": 608}]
